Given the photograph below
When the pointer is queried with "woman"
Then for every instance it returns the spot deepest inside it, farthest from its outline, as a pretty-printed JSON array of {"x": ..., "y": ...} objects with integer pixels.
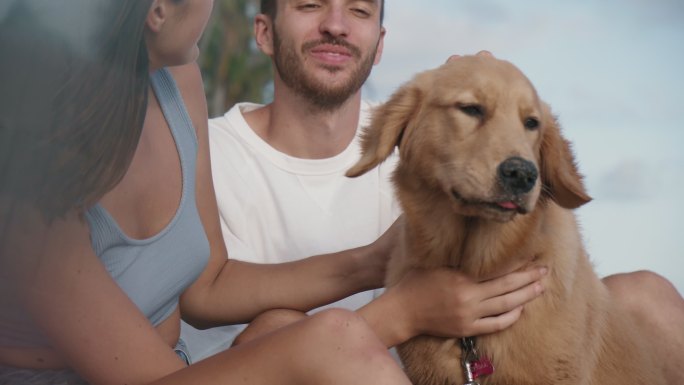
[{"x": 109, "y": 228}]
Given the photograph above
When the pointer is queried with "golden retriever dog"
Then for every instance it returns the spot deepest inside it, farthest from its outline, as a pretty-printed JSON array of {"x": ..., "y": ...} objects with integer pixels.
[{"x": 486, "y": 180}]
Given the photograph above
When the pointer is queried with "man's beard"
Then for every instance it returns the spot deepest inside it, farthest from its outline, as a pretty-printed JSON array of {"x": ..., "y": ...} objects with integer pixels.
[{"x": 326, "y": 97}]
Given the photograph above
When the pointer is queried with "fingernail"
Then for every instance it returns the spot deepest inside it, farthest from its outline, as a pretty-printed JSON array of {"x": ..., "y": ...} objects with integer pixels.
[{"x": 543, "y": 270}]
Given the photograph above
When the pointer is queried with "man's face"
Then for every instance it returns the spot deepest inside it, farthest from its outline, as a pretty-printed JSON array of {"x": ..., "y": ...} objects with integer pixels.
[{"x": 325, "y": 50}]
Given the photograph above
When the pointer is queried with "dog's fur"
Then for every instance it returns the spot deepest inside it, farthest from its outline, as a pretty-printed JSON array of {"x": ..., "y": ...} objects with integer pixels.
[{"x": 454, "y": 127}]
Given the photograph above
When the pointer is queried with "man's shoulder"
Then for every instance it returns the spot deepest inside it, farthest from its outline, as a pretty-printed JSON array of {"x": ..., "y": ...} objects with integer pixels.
[
  {"x": 233, "y": 117},
  {"x": 225, "y": 136},
  {"x": 232, "y": 125}
]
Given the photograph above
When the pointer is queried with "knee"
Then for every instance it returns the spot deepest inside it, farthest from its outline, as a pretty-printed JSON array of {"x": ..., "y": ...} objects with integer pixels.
[
  {"x": 278, "y": 318},
  {"x": 268, "y": 322},
  {"x": 637, "y": 281},
  {"x": 642, "y": 290},
  {"x": 354, "y": 344},
  {"x": 342, "y": 347},
  {"x": 342, "y": 323},
  {"x": 348, "y": 330}
]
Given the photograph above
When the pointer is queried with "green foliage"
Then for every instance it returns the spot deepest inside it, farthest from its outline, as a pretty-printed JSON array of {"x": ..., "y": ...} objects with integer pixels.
[{"x": 234, "y": 70}]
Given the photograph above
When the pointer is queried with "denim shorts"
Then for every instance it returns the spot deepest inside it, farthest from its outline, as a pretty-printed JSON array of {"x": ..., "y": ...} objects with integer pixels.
[
  {"x": 19, "y": 376},
  {"x": 182, "y": 351}
]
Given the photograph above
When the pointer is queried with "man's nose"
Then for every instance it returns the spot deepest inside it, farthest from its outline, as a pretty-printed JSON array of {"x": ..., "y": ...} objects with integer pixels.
[{"x": 335, "y": 22}]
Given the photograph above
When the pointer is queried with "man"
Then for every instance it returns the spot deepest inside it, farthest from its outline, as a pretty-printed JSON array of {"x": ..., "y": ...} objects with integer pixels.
[{"x": 279, "y": 169}]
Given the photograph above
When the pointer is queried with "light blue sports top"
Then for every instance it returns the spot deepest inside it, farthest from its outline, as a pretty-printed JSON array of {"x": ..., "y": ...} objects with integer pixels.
[{"x": 155, "y": 271}]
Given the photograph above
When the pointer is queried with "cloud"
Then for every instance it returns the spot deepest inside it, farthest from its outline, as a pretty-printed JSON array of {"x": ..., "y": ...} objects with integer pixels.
[
  {"x": 631, "y": 179},
  {"x": 651, "y": 12}
]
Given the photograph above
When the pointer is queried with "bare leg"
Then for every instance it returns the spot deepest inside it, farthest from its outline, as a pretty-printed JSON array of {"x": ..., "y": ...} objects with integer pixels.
[
  {"x": 335, "y": 347},
  {"x": 659, "y": 309},
  {"x": 268, "y": 322}
]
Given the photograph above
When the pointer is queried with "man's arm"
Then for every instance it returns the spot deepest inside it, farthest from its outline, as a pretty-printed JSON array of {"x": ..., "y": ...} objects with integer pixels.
[{"x": 231, "y": 291}]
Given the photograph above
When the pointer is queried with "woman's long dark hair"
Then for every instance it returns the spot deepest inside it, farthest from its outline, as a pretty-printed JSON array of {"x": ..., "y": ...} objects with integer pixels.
[{"x": 74, "y": 77}]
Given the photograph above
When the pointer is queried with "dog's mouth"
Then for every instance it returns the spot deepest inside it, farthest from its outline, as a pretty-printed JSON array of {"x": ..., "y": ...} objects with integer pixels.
[{"x": 508, "y": 205}]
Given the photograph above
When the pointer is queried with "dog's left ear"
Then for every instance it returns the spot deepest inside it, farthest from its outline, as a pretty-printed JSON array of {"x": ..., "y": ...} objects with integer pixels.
[
  {"x": 561, "y": 180},
  {"x": 387, "y": 126}
]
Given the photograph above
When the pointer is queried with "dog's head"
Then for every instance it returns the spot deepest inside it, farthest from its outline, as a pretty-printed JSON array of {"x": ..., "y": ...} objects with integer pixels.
[{"x": 475, "y": 129}]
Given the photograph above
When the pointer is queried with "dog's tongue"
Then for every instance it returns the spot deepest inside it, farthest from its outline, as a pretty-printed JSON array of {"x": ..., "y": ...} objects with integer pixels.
[{"x": 508, "y": 205}]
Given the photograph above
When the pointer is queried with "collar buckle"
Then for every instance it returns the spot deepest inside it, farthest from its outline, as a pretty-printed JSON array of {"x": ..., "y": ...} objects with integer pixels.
[{"x": 473, "y": 365}]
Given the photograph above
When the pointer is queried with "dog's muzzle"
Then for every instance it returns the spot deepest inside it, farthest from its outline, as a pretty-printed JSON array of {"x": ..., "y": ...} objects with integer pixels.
[{"x": 517, "y": 175}]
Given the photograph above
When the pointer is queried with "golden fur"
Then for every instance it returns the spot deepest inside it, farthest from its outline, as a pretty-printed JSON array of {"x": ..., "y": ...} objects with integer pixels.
[{"x": 454, "y": 127}]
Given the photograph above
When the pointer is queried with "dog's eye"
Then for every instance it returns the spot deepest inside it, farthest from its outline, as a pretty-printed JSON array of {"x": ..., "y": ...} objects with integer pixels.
[
  {"x": 531, "y": 123},
  {"x": 473, "y": 110}
]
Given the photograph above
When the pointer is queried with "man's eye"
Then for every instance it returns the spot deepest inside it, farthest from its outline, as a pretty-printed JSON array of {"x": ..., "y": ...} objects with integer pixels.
[
  {"x": 361, "y": 12},
  {"x": 308, "y": 6}
]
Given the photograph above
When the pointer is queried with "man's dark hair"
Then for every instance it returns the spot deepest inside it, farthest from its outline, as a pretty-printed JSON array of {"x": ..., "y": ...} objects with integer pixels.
[{"x": 269, "y": 8}]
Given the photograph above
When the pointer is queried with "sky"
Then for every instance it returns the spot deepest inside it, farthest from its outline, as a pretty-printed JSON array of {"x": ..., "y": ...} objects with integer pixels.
[{"x": 613, "y": 73}]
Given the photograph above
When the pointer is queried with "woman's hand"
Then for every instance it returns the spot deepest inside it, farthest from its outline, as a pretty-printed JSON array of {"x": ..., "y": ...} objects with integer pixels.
[{"x": 446, "y": 303}]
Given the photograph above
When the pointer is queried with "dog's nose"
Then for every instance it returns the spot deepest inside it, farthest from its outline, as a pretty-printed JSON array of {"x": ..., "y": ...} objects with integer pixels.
[{"x": 518, "y": 175}]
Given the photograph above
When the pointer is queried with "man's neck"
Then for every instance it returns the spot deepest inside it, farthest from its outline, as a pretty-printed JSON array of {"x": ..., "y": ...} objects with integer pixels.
[{"x": 300, "y": 129}]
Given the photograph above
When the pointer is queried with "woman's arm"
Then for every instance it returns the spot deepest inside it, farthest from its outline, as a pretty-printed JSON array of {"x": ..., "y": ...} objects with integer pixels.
[
  {"x": 105, "y": 339},
  {"x": 73, "y": 300},
  {"x": 231, "y": 291},
  {"x": 444, "y": 302},
  {"x": 439, "y": 302}
]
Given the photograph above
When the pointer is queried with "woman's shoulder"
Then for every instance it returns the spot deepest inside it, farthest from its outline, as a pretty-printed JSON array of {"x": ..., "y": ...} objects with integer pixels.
[
  {"x": 188, "y": 79},
  {"x": 35, "y": 242}
]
